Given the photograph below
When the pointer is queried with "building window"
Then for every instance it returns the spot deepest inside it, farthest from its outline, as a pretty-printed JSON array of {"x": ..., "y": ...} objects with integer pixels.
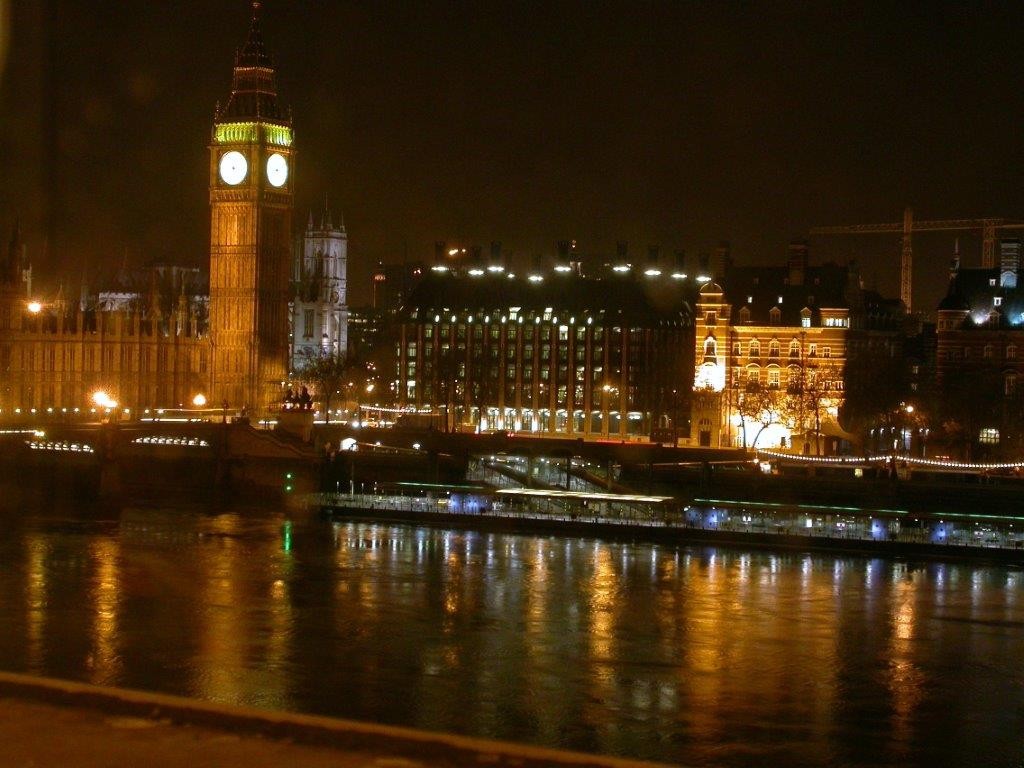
[
  {"x": 755, "y": 348},
  {"x": 710, "y": 349},
  {"x": 997, "y": 301},
  {"x": 988, "y": 436},
  {"x": 775, "y": 316},
  {"x": 773, "y": 378},
  {"x": 826, "y": 351},
  {"x": 1011, "y": 352},
  {"x": 744, "y": 315},
  {"x": 737, "y": 349},
  {"x": 773, "y": 348},
  {"x": 1010, "y": 384},
  {"x": 987, "y": 351},
  {"x": 794, "y": 348},
  {"x": 307, "y": 323}
]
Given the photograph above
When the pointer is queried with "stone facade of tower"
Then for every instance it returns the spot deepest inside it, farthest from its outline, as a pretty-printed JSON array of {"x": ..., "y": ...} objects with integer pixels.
[
  {"x": 251, "y": 178},
  {"x": 319, "y": 305}
]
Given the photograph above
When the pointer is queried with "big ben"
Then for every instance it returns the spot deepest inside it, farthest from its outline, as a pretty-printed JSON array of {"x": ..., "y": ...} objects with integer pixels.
[{"x": 251, "y": 178}]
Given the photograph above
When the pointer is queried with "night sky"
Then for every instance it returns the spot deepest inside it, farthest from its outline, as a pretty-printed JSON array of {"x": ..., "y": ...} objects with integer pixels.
[{"x": 677, "y": 124}]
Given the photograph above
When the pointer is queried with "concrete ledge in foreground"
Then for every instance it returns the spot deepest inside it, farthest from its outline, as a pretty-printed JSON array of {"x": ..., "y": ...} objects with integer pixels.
[{"x": 53, "y": 722}]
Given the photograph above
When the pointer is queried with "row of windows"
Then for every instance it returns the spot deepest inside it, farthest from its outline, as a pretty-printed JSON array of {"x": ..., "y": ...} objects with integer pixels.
[
  {"x": 987, "y": 351},
  {"x": 773, "y": 378},
  {"x": 774, "y": 349}
]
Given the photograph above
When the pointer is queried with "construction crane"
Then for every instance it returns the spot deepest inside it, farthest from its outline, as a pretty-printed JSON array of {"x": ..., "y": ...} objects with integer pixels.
[{"x": 988, "y": 227}]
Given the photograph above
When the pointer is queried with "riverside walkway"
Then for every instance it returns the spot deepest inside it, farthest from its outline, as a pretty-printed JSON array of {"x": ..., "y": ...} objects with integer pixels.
[
  {"x": 47, "y": 722},
  {"x": 659, "y": 518}
]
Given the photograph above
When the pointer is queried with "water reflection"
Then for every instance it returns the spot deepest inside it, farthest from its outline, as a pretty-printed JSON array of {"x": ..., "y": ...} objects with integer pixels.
[{"x": 702, "y": 656}]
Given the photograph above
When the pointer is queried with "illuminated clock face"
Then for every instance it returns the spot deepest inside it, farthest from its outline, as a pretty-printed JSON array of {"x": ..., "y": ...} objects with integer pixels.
[
  {"x": 233, "y": 167},
  {"x": 277, "y": 170}
]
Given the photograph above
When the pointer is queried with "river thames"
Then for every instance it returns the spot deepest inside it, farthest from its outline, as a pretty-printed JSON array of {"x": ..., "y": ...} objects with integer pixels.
[{"x": 700, "y": 656}]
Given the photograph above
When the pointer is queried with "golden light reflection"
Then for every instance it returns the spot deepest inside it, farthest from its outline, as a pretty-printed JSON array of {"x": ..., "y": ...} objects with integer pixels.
[
  {"x": 905, "y": 679},
  {"x": 105, "y": 659},
  {"x": 223, "y": 628},
  {"x": 602, "y": 616},
  {"x": 35, "y": 597}
]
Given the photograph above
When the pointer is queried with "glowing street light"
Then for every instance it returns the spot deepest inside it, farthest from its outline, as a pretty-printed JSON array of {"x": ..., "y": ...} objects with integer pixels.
[
  {"x": 35, "y": 307},
  {"x": 103, "y": 400},
  {"x": 199, "y": 400}
]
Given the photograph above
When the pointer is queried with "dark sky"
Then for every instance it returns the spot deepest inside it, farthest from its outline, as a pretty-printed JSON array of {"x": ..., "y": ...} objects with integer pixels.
[{"x": 672, "y": 123}]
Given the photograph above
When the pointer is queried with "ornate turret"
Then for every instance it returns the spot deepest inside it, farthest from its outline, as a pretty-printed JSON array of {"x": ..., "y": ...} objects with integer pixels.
[{"x": 254, "y": 85}]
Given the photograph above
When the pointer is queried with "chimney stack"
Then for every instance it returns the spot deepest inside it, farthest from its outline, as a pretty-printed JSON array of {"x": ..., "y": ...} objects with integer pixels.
[{"x": 797, "y": 262}]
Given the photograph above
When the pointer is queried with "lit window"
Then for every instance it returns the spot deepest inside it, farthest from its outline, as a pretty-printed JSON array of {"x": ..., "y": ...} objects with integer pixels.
[
  {"x": 826, "y": 351},
  {"x": 805, "y": 322},
  {"x": 988, "y": 436},
  {"x": 997, "y": 301},
  {"x": 773, "y": 378}
]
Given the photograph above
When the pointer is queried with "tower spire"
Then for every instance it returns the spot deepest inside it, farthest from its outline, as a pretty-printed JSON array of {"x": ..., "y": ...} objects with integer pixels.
[{"x": 254, "y": 87}]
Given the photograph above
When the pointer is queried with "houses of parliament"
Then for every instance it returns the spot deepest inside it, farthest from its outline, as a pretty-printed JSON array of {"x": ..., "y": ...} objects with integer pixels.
[{"x": 160, "y": 340}]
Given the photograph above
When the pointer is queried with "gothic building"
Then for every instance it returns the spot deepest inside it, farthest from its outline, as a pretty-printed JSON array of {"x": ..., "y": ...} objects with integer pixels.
[
  {"x": 161, "y": 346},
  {"x": 251, "y": 156},
  {"x": 319, "y": 310}
]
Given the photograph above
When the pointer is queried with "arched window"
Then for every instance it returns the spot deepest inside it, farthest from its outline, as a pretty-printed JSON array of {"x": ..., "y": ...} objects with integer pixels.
[
  {"x": 987, "y": 351},
  {"x": 710, "y": 349},
  {"x": 774, "y": 375},
  {"x": 753, "y": 375},
  {"x": 775, "y": 316},
  {"x": 737, "y": 349},
  {"x": 1011, "y": 352},
  {"x": 794, "y": 349},
  {"x": 773, "y": 348},
  {"x": 755, "y": 348},
  {"x": 1010, "y": 383}
]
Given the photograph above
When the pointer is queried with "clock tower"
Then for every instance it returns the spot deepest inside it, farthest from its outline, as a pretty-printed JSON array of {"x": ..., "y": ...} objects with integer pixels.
[{"x": 251, "y": 181}]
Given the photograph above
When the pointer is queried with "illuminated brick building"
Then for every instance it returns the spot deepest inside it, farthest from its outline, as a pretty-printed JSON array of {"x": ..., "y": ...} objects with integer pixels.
[{"x": 771, "y": 348}]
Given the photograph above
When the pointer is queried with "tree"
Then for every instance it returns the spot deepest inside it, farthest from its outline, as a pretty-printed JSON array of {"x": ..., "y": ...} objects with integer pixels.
[
  {"x": 329, "y": 372},
  {"x": 762, "y": 405}
]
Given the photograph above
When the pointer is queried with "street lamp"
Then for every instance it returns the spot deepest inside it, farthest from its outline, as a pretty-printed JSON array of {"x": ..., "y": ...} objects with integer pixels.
[
  {"x": 35, "y": 307},
  {"x": 199, "y": 400}
]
